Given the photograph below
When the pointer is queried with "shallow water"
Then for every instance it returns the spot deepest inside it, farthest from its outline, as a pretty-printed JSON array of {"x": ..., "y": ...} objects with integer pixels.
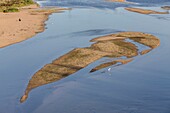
[{"x": 141, "y": 86}]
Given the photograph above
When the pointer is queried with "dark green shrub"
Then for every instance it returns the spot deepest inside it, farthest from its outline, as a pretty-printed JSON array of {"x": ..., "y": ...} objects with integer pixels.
[{"x": 11, "y": 10}]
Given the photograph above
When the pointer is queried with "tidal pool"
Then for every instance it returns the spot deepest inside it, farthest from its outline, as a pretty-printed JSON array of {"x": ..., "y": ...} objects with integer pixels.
[{"x": 141, "y": 86}]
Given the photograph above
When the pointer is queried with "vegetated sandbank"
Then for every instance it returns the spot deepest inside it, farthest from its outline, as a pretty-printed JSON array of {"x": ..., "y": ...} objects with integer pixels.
[
  {"x": 19, "y": 26},
  {"x": 112, "y": 46},
  {"x": 145, "y": 11}
]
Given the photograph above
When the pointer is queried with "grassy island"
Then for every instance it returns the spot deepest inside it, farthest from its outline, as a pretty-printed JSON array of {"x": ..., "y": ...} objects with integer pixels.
[{"x": 112, "y": 46}]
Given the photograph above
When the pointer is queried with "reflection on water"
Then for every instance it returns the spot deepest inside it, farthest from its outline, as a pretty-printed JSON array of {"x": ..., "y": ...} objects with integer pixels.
[
  {"x": 94, "y": 32},
  {"x": 114, "y": 46}
]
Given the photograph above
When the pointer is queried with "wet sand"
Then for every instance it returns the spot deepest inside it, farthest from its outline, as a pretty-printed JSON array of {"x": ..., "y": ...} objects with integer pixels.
[{"x": 19, "y": 26}]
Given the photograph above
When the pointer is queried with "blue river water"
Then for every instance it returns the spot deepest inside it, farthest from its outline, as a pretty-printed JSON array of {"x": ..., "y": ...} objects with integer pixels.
[
  {"x": 141, "y": 86},
  {"x": 102, "y": 4}
]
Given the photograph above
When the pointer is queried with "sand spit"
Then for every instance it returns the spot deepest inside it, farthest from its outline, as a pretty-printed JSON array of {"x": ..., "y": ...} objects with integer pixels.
[
  {"x": 144, "y": 11},
  {"x": 112, "y": 46},
  {"x": 19, "y": 26}
]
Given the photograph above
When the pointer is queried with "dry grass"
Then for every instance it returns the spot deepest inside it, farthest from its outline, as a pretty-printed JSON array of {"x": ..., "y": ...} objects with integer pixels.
[
  {"x": 143, "y": 38},
  {"x": 151, "y": 42}
]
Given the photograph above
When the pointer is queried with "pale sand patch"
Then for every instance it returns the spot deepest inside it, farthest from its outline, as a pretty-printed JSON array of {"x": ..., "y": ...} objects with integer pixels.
[{"x": 31, "y": 22}]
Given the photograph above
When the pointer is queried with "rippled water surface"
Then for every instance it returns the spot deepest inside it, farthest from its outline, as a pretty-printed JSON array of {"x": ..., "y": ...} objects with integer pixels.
[
  {"x": 102, "y": 4},
  {"x": 141, "y": 86}
]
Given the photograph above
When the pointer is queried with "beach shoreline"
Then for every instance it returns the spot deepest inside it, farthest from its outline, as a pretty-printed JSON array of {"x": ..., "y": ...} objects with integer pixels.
[{"x": 22, "y": 25}]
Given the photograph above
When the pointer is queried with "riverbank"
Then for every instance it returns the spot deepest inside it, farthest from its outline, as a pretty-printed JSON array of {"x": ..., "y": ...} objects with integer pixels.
[{"x": 26, "y": 23}]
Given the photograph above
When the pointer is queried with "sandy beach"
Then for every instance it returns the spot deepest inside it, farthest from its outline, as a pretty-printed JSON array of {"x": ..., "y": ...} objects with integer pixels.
[{"x": 19, "y": 26}]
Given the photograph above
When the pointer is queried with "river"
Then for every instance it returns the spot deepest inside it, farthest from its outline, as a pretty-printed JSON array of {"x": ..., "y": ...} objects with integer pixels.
[{"x": 141, "y": 86}]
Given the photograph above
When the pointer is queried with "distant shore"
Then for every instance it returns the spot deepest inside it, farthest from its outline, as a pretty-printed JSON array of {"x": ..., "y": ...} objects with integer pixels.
[{"x": 19, "y": 26}]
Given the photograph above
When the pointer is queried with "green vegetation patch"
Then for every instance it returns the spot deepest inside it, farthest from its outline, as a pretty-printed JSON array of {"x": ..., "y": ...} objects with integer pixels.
[
  {"x": 11, "y": 10},
  {"x": 13, "y": 5}
]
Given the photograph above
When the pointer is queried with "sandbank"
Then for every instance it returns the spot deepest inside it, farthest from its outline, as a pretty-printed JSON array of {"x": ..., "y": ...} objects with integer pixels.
[{"x": 112, "y": 46}]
